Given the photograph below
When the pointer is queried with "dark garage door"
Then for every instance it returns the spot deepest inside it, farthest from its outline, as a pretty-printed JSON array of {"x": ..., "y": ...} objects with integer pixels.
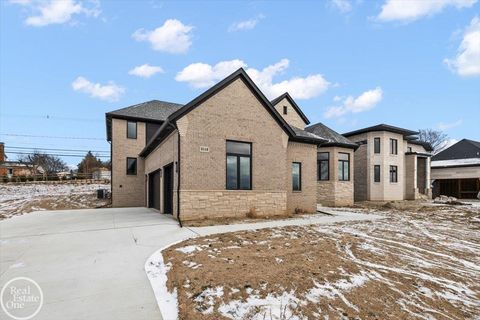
[{"x": 154, "y": 190}]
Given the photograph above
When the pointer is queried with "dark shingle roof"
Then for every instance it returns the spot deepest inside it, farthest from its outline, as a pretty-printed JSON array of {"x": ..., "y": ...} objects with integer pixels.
[
  {"x": 427, "y": 146},
  {"x": 333, "y": 137},
  {"x": 382, "y": 127},
  {"x": 150, "y": 111},
  {"x": 299, "y": 133},
  {"x": 154, "y": 110}
]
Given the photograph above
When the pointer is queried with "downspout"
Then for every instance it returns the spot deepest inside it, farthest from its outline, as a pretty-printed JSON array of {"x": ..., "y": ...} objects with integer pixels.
[
  {"x": 111, "y": 172},
  {"x": 178, "y": 175}
]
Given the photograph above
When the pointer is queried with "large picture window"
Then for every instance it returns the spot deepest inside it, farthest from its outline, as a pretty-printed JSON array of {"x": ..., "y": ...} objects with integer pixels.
[
  {"x": 239, "y": 165},
  {"x": 131, "y": 166},
  {"x": 343, "y": 166},
  {"x": 296, "y": 176},
  {"x": 393, "y": 174},
  {"x": 376, "y": 145},
  {"x": 393, "y": 146},
  {"x": 323, "y": 166},
  {"x": 131, "y": 130}
]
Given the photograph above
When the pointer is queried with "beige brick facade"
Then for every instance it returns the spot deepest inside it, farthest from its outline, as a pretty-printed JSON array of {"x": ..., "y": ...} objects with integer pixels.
[
  {"x": 127, "y": 190},
  {"x": 333, "y": 192},
  {"x": 292, "y": 117}
]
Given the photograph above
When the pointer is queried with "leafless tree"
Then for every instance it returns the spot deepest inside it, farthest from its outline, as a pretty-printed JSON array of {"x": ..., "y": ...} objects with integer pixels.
[
  {"x": 436, "y": 138},
  {"x": 49, "y": 163}
]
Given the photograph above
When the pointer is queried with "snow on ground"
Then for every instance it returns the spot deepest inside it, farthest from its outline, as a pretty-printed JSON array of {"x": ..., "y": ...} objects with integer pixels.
[
  {"x": 416, "y": 264},
  {"x": 16, "y": 199}
]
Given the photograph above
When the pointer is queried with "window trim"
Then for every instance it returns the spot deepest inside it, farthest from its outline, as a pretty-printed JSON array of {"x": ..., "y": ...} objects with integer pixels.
[
  {"x": 396, "y": 174},
  {"x": 285, "y": 110},
  {"x": 238, "y": 155},
  {"x": 319, "y": 167},
  {"x": 379, "y": 173},
  {"x": 299, "y": 176},
  {"x": 136, "y": 129},
  {"x": 343, "y": 166},
  {"x": 379, "y": 145},
  {"x": 136, "y": 165},
  {"x": 393, "y": 142}
]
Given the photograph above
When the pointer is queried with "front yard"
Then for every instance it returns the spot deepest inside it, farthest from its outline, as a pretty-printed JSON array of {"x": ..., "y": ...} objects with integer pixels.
[{"x": 420, "y": 264}]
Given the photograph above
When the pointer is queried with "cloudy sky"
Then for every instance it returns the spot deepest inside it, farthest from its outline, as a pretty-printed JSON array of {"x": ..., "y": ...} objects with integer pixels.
[{"x": 349, "y": 63}]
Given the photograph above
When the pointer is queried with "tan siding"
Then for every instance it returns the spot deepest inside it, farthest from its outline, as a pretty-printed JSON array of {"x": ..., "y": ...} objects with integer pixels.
[{"x": 292, "y": 117}]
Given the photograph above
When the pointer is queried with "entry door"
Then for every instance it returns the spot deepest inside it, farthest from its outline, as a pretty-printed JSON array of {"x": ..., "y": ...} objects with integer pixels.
[
  {"x": 154, "y": 190},
  {"x": 168, "y": 189}
]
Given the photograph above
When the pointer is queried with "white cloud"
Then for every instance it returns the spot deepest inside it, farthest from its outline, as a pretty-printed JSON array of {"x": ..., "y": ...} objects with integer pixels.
[
  {"x": 145, "y": 70},
  {"x": 56, "y": 12},
  {"x": 108, "y": 92},
  {"x": 343, "y": 6},
  {"x": 364, "y": 102},
  {"x": 467, "y": 61},
  {"x": 172, "y": 37},
  {"x": 202, "y": 75},
  {"x": 402, "y": 10},
  {"x": 449, "y": 125},
  {"x": 246, "y": 24}
]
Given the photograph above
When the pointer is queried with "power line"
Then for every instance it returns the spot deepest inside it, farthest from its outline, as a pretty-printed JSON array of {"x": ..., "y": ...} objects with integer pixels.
[
  {"x": 54, "y": 149},
  {"x": 48, "y": 137},
  {"x": 57, "y": 155},
  {"x": 51, "y": 117}
]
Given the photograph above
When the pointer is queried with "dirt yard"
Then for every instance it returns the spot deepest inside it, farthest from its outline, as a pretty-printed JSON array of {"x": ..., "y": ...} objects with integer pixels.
[
  {"x": 18, "y": 199},
  {"x": 414, "y": 264}
]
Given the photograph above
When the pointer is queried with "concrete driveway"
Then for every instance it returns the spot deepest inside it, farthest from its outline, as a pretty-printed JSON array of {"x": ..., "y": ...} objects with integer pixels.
[{"x": 89, "y": 263}]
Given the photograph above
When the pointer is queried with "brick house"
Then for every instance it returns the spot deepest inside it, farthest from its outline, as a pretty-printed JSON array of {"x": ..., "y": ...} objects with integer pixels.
[
  {"x": 390, "y": 164},
  {"x": 228, "y": 152},
  {"x": 16, "y": 169}
]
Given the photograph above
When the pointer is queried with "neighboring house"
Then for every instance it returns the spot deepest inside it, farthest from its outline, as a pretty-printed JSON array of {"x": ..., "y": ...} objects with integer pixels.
[
  {"x": 101, "y": 174},
  {"x": 228, "y": 152},
  {"x": 390, "y": 164},
  {"x": 13, "y": 169},
  {"x": 456, "y": 170}
]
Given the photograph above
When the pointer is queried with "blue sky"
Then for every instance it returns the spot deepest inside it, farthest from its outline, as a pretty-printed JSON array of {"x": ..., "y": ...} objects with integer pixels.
[{"x": 349, "y": 64}]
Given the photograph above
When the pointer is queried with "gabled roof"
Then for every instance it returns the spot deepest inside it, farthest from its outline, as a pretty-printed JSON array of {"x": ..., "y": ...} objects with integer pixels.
[
  {"x": 382, "y": 127},
  {"x": 463, "y": 149},
  {"x": 239, "y": 74},
  {"x": 333, "y": 138},
  {"x": 294, "y": 105},
  {"x": 151, "y": 111}
]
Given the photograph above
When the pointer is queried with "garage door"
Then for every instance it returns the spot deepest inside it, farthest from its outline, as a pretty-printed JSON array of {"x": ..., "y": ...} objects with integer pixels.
[{"x": 154, "y": 190}]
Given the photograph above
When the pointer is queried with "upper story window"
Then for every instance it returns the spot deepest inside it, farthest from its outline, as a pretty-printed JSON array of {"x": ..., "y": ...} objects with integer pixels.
[
  {"x": 376, "y": 173},
  {"x": 409, "y": 149},
  {"x": 323, "y": 166},
  {"x": 285, "y": 109},
  {"x": 343, "y": 166},
  {"x": 296, "y": 176},
  {"x": 239, "y": 165},
  {"x": 376, "y": 145},
  {"x": 393, "y": 146},
  {"x": 131, "y": 166},
  {"x": 393, "y": 174},
  {"x": 131, "y": 130}
]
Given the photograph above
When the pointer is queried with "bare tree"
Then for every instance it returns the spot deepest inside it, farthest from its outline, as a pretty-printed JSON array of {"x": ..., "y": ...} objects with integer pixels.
[
  {"x": 49, "y": 163},
  {"x": 436, "y": 138}
]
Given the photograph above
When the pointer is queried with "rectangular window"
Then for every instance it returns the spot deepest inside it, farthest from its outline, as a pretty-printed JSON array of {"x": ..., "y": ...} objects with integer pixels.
[
  {"x": 285, "y": 109},
  {"x": 323, "y": 166},
  {"x": 376, "y": 145},
  {"x": 409, "y": 149},
  {"x": 343, "y": 166},
  {"x": 376, "y": 173},
  {"x": 393, "y": 174},
  {"x": 131, "y": 130},
  {"x": 131, "y": 166},
  {"x": 296, "y": 176},
  {"x": 393, "y": 146},
  {"x": 239, "y": 165}
]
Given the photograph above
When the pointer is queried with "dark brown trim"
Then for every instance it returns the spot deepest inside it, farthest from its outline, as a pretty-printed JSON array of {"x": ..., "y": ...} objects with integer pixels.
[
  {"x": 136, "y": 166},
  {"x": 136, "y": 129},
  {"x": 348, "y": 164},
  {"x": 238, "y": 155},
  {"x": 319, "y": 169},
  {"x": 382, "y": 127},
  {"x": 299, "y": 176}
]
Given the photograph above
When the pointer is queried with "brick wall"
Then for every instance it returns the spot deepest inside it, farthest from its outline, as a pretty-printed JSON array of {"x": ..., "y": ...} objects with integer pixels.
[{"x": 292, "y": 117}]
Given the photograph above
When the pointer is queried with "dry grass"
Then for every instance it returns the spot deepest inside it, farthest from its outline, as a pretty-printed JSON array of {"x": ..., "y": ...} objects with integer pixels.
[{"x": 411, "y": 265}]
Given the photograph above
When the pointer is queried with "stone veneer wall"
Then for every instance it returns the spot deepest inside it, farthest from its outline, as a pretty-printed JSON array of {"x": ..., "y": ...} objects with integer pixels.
[
  {"x": 127, "y": 190},
  {"x": 333, "y": 192}
]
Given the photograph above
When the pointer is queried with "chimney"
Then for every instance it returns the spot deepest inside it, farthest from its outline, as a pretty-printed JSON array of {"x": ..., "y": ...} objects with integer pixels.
[{"x": 2, "y": 152}]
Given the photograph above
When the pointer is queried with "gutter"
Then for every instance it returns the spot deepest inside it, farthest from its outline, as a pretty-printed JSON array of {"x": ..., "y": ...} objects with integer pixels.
[{"x": 178, "y": 175}]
